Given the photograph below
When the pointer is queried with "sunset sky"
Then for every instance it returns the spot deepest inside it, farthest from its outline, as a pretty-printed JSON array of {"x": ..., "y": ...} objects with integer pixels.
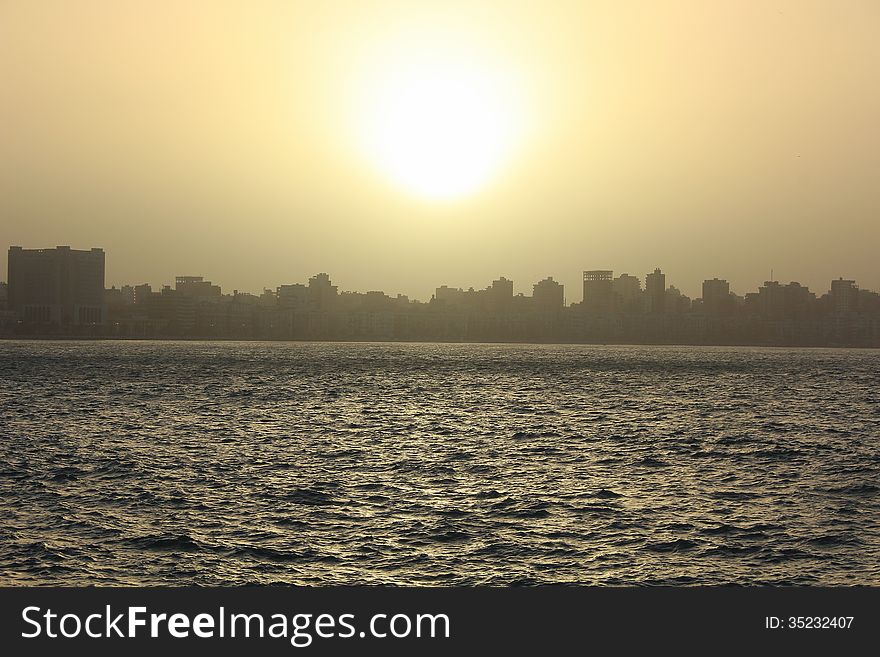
[{"x": 404, "y": 145}]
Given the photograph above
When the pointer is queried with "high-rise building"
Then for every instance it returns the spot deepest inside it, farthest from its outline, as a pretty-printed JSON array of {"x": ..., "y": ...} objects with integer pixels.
[
  {"x": 142, "y": 293},
  {"x": 322, "y": 293},
  {"x": 449, "y": 296},
  {"x": 675, "y": 303},
  {"x": 771, "y": 300},
  {"x": 844, "y": 296},
  {"x": 294, "y": 296},
  {"x": 799, "y": 301},
  {"x": 627, "y": 287},
  {"x": 792, "y": 301},
  {"x": 627, "y": 293},
  {"x": 500, "y": 295},
  {"x": 548, "y": 295},
  {"x": 60, "y": 286},
  {"x": 716, "y": 297},
  {"x": 655, "y": 292},
  {"x": 598, "y": 291}
]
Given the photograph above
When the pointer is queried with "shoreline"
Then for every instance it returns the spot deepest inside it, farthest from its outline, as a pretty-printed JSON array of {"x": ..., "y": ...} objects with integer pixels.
[{"x": 104, "y": 338}]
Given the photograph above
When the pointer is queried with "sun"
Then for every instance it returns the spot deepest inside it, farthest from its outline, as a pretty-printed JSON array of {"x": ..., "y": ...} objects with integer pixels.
[{"x": 441, "y": 125}]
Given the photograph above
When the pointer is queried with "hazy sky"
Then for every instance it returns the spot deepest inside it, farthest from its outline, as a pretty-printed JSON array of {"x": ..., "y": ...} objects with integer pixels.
[{"x": 227, "y": 139}]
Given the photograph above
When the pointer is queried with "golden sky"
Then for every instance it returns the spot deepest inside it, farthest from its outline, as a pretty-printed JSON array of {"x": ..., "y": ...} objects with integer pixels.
[{"x": 405, "y": 145}]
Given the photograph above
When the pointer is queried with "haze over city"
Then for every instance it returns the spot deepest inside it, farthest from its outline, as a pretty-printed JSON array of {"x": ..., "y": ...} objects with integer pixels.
[
  {"x": 403, "y": 146},
  {"x": 384, "y": 294}
]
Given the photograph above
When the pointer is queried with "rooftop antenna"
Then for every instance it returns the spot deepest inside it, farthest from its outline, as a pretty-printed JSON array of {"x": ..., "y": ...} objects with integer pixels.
[{"x": 771, "y": 274}]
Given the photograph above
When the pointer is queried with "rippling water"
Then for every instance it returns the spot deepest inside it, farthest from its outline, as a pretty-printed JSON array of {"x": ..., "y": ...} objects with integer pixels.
[{"x": 243, "y": 463}]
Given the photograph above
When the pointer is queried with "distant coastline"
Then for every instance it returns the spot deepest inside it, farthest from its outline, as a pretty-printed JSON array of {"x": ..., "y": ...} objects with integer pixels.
[
  {"x": 60, "y": 293},
  {"x": 106, "y": 338}
]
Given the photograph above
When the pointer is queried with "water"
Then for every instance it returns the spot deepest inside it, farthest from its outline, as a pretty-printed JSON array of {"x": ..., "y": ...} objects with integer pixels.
[{"x": 156, "y": 463}]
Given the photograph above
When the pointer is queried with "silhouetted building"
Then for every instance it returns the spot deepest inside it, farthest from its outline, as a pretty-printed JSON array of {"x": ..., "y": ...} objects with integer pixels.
[
  {"x": 548, "y": 295},
  {"x": 57, "y": 291},
  {"x": 799, "y": 301},
  {"x": 197, "y": 287},
  {"x": 8, "y": 318},
  {"x": 716, "y": 297},
  {"x": 322, "y": 293},
  {"x": 449, "y": 295},
  {"x": 627, "y": 287},
  {"x": 869, "y": 302},
  {"x": 771, "y": 300},
  {"x": 655, "y": 292},
  {"x": 628, "y": 294},
  {"x": 775, "y": 301},
  {"x": 60, "y": 286},
  {"x": 123, "y": 296},
  {"x": 675, "y": 302},
  {"x": 294, "y": 296},
  {"x": 844, "y": 296},
  {"x": 174, "y": 308},
  {"x": 598, "y": 291},
  {"x": 500, "y": 295},
  {"x": 142, "y": 293},
  {"x": 113, "y": 296}
]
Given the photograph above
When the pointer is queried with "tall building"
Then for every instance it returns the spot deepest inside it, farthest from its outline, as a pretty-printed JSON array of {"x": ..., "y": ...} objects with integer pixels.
[
  {"x": 598, "y": 291},
  {"x": 322, "y": 293},
  {"x": 771, "y": 300},
  {"x": 628, "y": 293},
  {"x": 716, "y": 297},
  {"x": 655, "y": 292},
  {"x": 792, "y": 301},
  {"x": 675, "y": 302},
  {"x": 500, "y": 295},
  {"x": 449, "y": 295},
  {"x": 627, "y": 287},
  {"x": 844, "y": 296},
  {"x": 799, "y": 301},
  {"x": 60, "y": 286},
  {"x": 294, "y": 296},
  {"x": 548, "y": 295},
  {"x": 142, "y": 293}
]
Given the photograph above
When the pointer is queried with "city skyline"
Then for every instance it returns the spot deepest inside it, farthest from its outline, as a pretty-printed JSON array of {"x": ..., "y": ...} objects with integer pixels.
[
  {"x": 397, "y": 145},
  {"x": 521, "y": 289},
  {"x": 62, "y": 291},
  {"x": 489, "y": 296}
]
